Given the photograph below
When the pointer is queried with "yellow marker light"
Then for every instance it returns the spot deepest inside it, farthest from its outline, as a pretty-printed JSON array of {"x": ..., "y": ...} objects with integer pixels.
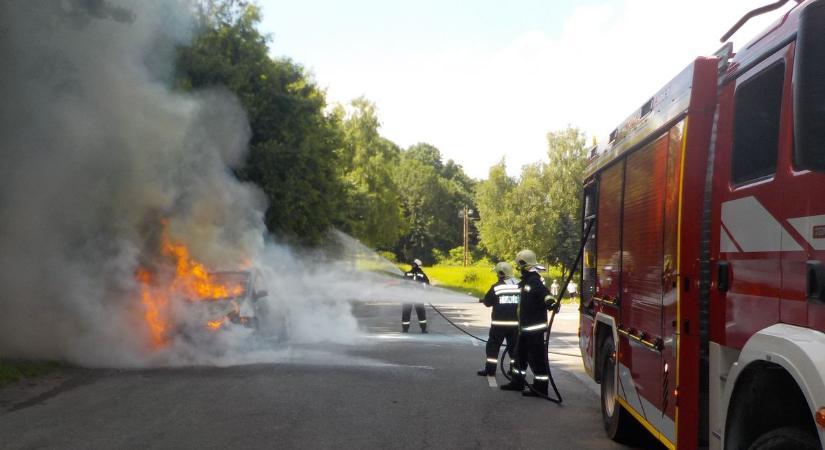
[{"x": 820, "y": 417}]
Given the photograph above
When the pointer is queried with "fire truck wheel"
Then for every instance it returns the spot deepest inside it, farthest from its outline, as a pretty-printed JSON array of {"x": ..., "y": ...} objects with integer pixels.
[
  {"x": 617, "y": 421},
  {"x": 786, "y": 438}
]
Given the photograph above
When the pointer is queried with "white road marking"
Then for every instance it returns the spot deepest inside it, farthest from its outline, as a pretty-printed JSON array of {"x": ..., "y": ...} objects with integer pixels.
[{"x": 492, "y": 382}]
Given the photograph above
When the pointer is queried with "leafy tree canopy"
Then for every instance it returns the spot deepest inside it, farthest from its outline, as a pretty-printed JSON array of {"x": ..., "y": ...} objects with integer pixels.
[
  {"x": 540, "y": 209},
  {"x": 294, "y": 148}
]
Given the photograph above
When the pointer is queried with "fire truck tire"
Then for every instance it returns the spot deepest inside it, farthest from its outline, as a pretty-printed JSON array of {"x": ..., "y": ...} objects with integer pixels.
[
  {"x": 618, "y": 423},
  {"x": 786, "y": 438}
]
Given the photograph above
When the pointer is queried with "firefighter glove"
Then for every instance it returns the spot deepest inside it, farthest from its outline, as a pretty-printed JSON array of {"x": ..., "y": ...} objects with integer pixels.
[{"x": 551, "y": 303}]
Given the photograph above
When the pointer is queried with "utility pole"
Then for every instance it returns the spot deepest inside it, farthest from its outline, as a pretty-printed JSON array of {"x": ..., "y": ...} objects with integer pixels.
[{"x": 466, "y": 234}]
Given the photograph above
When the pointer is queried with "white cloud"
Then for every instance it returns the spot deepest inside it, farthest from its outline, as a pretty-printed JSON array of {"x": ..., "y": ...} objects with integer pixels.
[{"x": 478, "y": 104}]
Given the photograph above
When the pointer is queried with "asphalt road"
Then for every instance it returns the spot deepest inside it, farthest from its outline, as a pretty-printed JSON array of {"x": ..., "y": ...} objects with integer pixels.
[{"x": 388, "y": 390}]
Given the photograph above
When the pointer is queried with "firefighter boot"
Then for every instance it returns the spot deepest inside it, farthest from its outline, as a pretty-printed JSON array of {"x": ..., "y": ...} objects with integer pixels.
[
  {"x": 424, "y": 328},
  {"x": 489, "y": 370},
  {"x": 513, "y": 385},
  {"x": 405, "y": 328},
  {"x": 539, "y": 389}
]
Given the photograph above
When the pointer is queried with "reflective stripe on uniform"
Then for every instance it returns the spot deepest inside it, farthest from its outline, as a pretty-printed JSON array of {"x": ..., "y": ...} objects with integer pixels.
[
  {"x": 527, "y": 288},
  {"x": 506, "y": 289},
  {"x": 422, "y": 321},
  {"x": 505, "y": 323},
  {"x": 492, "y": 360},
  {"x": 509, "y": 299},
  {"x": 405, "y": 323},
  {"x": 542, "y": 377},
  {"x": 537, "y": 327}
]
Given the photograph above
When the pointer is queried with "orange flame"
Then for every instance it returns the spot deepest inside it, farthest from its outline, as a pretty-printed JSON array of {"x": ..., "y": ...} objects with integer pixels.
[
  {"x": 153, "y": 305},
  {"x": 191, "y": 281}
]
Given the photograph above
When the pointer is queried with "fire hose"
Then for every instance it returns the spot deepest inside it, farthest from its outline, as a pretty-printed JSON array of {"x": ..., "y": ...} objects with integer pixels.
[
  {"x": 501, "y": 360},
  {"x": 558, "y": 398},
  {"x": 554, "y": 309}
]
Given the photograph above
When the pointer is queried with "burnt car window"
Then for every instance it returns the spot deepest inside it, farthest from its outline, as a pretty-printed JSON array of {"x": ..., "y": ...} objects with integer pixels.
[{"x": 228, "y": 285}]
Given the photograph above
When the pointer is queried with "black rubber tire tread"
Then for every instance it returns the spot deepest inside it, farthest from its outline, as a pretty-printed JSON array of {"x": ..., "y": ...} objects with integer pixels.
[
  {"x": 787, "y": 438},
  {"x": 621, "y": 426}
]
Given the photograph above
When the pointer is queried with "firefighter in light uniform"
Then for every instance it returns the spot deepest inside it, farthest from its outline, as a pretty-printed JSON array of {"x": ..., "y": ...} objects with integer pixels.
[
  {"x": 417, "y": 275},
  {"x": 503, "y": 296},
  {"x": 532, "y": 316}
]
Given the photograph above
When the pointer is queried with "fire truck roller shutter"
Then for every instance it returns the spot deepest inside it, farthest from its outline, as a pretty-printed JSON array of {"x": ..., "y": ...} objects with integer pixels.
[{"x": 778, "y": 382}]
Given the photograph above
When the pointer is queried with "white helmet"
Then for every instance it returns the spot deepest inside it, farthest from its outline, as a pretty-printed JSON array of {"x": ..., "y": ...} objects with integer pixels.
[
  {"x": 417, "y": 262},
  {"x": 526, "y": 260},
  {"x": 504, "y": 270}
]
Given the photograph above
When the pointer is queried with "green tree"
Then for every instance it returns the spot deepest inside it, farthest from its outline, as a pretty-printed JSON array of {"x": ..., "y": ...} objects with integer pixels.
[
  {"x": 534, "y": 212},
  {"x": 421, "y": 191},
  {"x": 541, "y": 209},
  {"x": 427, "y": 155},
  {"x": 373, "y": 202},
  {"x": 294, "y": 144},
  {"x": 431, "y": 198},
  {"x": 567, "y": 161},
  {"x": 498, "y": 223}
]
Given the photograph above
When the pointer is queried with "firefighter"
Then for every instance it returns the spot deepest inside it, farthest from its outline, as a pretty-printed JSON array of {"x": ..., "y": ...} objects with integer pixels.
[
  {"x": 503, "y": 296},
  {"x": 534, "y": 302},
  {"x": 417, "y": 275}
]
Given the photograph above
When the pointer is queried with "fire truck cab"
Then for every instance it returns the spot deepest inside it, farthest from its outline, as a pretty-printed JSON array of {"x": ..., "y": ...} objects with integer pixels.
[{"x": 703, "y": 277}]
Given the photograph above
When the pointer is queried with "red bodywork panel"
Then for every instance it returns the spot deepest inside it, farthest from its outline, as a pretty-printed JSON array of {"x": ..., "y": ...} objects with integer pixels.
[
  {"x": 643, "y": 282},
  {"x": 768, "y": 271},
  {"x": 766, "y": 230}
]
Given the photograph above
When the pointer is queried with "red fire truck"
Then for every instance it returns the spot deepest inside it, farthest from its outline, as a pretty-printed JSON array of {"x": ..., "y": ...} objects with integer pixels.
[{"x": 703, "y": 276}]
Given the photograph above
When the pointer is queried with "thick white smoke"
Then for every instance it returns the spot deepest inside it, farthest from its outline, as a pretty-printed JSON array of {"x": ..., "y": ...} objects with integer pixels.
[{"x": 96, "y": 150}]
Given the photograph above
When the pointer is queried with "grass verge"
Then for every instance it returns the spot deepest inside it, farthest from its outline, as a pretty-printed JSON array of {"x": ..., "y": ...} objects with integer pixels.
[
  {"x": 473, "y": 280},
  {"x": 476, "y": 280},
  {"x": 12, "y": 371}
]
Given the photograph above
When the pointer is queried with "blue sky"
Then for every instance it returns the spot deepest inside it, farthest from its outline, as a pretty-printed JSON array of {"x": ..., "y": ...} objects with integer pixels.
[{"x": 484, "y": 79}]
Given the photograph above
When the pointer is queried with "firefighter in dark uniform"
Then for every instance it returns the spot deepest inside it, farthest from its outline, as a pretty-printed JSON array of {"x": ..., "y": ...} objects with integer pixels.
[
  {"x": 534, "y": 302},
  {"x": 503, "y": 296},
  {"x": 417, "y": 275}
]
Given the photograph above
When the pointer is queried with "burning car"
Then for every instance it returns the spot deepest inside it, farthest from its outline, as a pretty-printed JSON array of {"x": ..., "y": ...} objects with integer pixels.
[
  {"x": 182, "y": 298},
  {"x": 239, "y": 300}
]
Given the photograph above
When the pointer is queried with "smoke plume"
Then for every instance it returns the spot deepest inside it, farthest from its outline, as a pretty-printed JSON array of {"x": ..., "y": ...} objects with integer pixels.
[{"x": 99, "y": 158}]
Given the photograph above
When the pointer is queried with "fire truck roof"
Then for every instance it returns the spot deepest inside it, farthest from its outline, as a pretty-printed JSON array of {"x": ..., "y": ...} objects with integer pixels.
[{"x": 670, "y": 104}]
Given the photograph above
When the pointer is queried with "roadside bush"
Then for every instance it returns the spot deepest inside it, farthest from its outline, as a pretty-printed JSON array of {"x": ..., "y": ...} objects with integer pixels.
[
  {"x": 389, "y": 256},
  {"x": 454, "y": 258},
  {"x": 440, "y": 257},
  {"x": 471, "y": 277},
  {"x": 12, "y": 371},
  {"x": 484, "y": 263}
]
